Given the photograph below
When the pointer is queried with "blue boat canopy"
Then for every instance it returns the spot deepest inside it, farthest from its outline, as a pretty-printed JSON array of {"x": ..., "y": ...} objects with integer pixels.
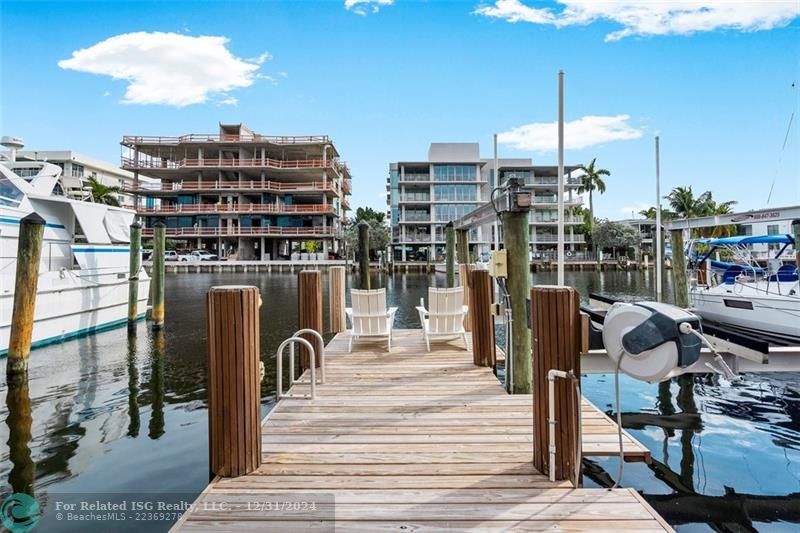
[{"x": 744, "y": 240}]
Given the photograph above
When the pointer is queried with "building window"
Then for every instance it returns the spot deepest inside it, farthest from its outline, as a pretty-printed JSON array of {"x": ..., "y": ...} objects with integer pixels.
[
  {"x": 77, "y": 170},
  {"x": 772, "y": 229},
  {"x": 455, "y": 173},
  {"x": 455, "y": 193},
  {"x": 446, "y": 213}
]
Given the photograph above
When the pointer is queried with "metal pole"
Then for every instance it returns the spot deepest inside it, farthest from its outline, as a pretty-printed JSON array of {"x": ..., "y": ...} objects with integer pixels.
[
  {"x": 496, "y": 184},
  {"x": 560, "y": 248},
  {"x": 659, "y": 258}
]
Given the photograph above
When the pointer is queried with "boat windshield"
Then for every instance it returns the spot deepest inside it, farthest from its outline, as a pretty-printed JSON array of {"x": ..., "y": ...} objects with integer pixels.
[{"x": 9, "y": 194}]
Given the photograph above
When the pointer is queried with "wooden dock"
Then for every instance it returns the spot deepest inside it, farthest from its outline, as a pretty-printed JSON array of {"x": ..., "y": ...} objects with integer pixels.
[{"x": 415, "y": 441}]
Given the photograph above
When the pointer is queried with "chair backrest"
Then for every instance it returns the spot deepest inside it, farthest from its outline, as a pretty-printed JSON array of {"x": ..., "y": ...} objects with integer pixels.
[
  {"x": 369, "y": 312},
  {"x": 445, "y": 310}
]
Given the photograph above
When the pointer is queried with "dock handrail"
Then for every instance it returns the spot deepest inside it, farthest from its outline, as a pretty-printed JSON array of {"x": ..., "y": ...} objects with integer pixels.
[
  {"x": 291, "y": 341},
  {"x": 321, "y": 345}
]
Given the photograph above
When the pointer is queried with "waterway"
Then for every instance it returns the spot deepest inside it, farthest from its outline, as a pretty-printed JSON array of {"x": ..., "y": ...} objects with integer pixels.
[{"x": 113, "y": 413}]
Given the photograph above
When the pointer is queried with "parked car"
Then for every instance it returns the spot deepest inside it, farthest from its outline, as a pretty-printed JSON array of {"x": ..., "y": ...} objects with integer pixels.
[
  {"x": 171, "y": 255},
  {"x": 203, "y": 255}
]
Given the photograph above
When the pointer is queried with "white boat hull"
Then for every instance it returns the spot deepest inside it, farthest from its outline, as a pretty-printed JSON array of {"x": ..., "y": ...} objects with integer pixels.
[
  {"x": 74, "y": 303},
  {"x": 769, "y": 313}
]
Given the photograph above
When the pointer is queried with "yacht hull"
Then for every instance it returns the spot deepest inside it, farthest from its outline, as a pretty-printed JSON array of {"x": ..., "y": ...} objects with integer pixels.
[{"x": 768, "y": 313}]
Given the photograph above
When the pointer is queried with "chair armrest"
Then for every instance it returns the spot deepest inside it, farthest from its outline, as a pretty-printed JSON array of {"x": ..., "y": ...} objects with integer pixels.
[
  {"x": 348, "y": 311},
  {"x": 421, "y": 310}
]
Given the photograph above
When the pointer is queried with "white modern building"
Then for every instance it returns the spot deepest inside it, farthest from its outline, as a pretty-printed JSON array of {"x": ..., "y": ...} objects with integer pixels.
[
  {"x": 424, "y": 195},
  {"x": 78, "y": 168}
]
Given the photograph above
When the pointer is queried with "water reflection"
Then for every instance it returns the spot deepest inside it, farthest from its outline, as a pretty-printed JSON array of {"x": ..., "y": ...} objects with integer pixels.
[
  {"x": 156, "y": 386},
  {"x": 134, "y": 421},
  {"x": 20, "y": 423}
]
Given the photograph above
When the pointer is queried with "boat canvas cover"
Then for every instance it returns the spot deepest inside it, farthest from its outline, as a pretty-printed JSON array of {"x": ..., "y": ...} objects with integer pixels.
[
  {"x": 744, "y": 240},
  {"x": 118, "y": 225}
]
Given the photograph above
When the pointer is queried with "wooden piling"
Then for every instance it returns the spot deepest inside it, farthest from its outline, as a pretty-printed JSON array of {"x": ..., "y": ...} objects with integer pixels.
[
  {"x": 679, "y": 269},
  {"x": 336, "y": 288},
  {"x": 462, "y": 246},
  {"x": 234, "y": 383},
  {"x": 157, "y": 275},
  {"x": 515, "y": 230},
  {"x": 29, "y": 254},
  {"x": 309, "y": 308},
  {"x": 557, "y": 337},
  {"x": 464, "y": 281},
  {"x": 450, "y": 254},
  {"x": 363, "y": 251},
  {"x": 483, "y": 342},
  {"x": 134, "y": 264}
]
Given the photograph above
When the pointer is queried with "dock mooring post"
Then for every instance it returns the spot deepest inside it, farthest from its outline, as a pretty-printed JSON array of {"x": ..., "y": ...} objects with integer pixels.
[
  {"x": 29, "y": 254},
  {"x": 450, "y": 254},
  {"x": 157, "y": 276},
  {"x": 135, "y": 264},
  {"x": 480, "y": 304},
  {"x": 557, "y": 332},
  {"x": 336, "y": 288},
  {"x": 309, "y": 312},
  {"x": 363, "y": 253},
  {"x": 516, "y": 238},
  {"x": 234, "y": 380},
  {"x": 462, "y": 246},
  {"x": 464, "y": 270},
  {"x": 679, "y": 269}
]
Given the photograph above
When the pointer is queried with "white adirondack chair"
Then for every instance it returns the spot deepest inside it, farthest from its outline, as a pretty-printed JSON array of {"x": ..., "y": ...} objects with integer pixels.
[
  {"x": 369, "y": 315},
  {"x": 446, "y": 315}
]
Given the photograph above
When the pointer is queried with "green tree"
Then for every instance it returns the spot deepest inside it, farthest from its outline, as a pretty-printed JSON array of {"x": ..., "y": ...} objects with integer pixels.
[
  {"x": 650, "y": 213},
  {"x": 608, "y": 234},
  {"x": 369, "y": 214},
  {"x": 103, "y": 194},
  {"x": 591, "y": 180},
  {"x": 685, "y": 205},
  {"x": 379, "y": 236}
]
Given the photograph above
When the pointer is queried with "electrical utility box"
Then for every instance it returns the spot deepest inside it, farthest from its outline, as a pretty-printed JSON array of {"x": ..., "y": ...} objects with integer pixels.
[{"x": 498, "y": 264}]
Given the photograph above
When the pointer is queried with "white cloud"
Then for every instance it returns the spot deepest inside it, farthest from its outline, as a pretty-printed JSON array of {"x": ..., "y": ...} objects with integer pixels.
[
  {"x": 168, "y": 68},
  {"x": 362, "y": 7},
  {"x": 581, "y": 133},
  {"x": 653, "y": 17}
]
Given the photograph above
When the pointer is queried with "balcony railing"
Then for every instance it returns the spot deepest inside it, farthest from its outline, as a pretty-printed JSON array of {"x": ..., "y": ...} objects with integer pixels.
[
  {"x": 553, "y": 200},
  {"x": 345, "y": 204},
  {"x": 270, "y": 231},
  {"x": 216, "y": 185},
  {"x": 347, "y": 186},
  {"x": 415, "y": 177},
  {"x": 548, "y": 238},
  {"x": 225, "y": 162},
  {"x": 567, "y": 220},
  {"x": 409, "y": 217},
  {"x": 415, "y": 238},
  {"x": 423, "y": 198},
  {"x": 239, "y": 208},
  {"x": 131, "y": 140}
]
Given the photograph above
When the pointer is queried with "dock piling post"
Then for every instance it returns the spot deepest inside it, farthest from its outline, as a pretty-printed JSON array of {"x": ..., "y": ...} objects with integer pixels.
[
  {"x": 483, "y": 343},
  {"x": 450, "y": 256},
  {"x": 363, "y": 251},
  {"x": 516, "y": 232},
  {"x": 464, "y": 270},
  {"x": 157, "y": 277},
  {"x": 234, "y": 381},
  {"x": 462, "y": 246},
  {"x": 135, "y": 264},
  {"x": 29, "y": 254},
  {"x": 309, "y": 308},
  {"x": 679, "y": 269},
  {"x": 557, "y": 339},
  {"x": 336, "y": 288}
]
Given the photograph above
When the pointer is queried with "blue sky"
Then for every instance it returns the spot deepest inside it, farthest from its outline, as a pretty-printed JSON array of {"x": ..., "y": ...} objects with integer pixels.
[{"x": 386, "y": 78}]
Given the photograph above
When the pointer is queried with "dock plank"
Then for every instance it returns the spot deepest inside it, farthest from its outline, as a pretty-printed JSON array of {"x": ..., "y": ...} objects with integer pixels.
[{"x": 416, "y": 441}]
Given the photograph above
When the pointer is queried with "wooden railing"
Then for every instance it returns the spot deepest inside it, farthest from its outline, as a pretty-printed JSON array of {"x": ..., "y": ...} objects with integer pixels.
[
  {"x": 131, "y": 140},
  {"x": 317, "y": 231},
  {"x": 241, "y": 208}
]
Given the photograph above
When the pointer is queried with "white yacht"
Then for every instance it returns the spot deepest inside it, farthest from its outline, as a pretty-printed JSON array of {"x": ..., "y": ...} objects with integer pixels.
[
  {"x": 740, "y": 291},
  {"x": 83, "y": 274}
]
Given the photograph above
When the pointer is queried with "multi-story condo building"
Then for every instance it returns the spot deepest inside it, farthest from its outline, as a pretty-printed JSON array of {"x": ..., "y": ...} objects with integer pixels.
[
  {"x": 240, "y": 194},
  {"x": 424, "y": 195},
  {"x": 78, "y": 168}
]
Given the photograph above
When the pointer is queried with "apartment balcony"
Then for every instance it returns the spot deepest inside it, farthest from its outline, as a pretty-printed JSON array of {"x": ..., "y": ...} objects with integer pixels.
[
  {"x": 553, "y": 200},
  {"x": 415, "y": 177},
  {"x": 225, "y": 162},
  {"x": 347, "y": 186},
  {"x": 415, "y": 198},
  {"x": 345, "y": 204},
  {"x": 551, "y": 181},
  {"x": 293, "y": 209},
  {"x": 546, "y": 238},
  {"x": 554, "y": 221},
  {"x": 134, "y": 140},
  {"x": 415, "y": 239},
  {"x": 221, "y": 185},
  {"x": 264, "y": 231},
  {"x": 415, "y": 219}
]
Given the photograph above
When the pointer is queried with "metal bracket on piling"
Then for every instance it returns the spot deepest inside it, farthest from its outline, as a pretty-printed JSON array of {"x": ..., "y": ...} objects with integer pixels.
[{"x": 279, "y": 369}]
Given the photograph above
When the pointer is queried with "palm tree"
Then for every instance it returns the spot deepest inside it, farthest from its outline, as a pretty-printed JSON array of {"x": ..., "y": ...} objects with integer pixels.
[
  {"x": 685, "y": 205},
  {"x": 103, "y": 194},
  {"x": 722, "y": 208},
  {"x": 650, "y": 213},
  {"x": 590, "y": 181}
]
